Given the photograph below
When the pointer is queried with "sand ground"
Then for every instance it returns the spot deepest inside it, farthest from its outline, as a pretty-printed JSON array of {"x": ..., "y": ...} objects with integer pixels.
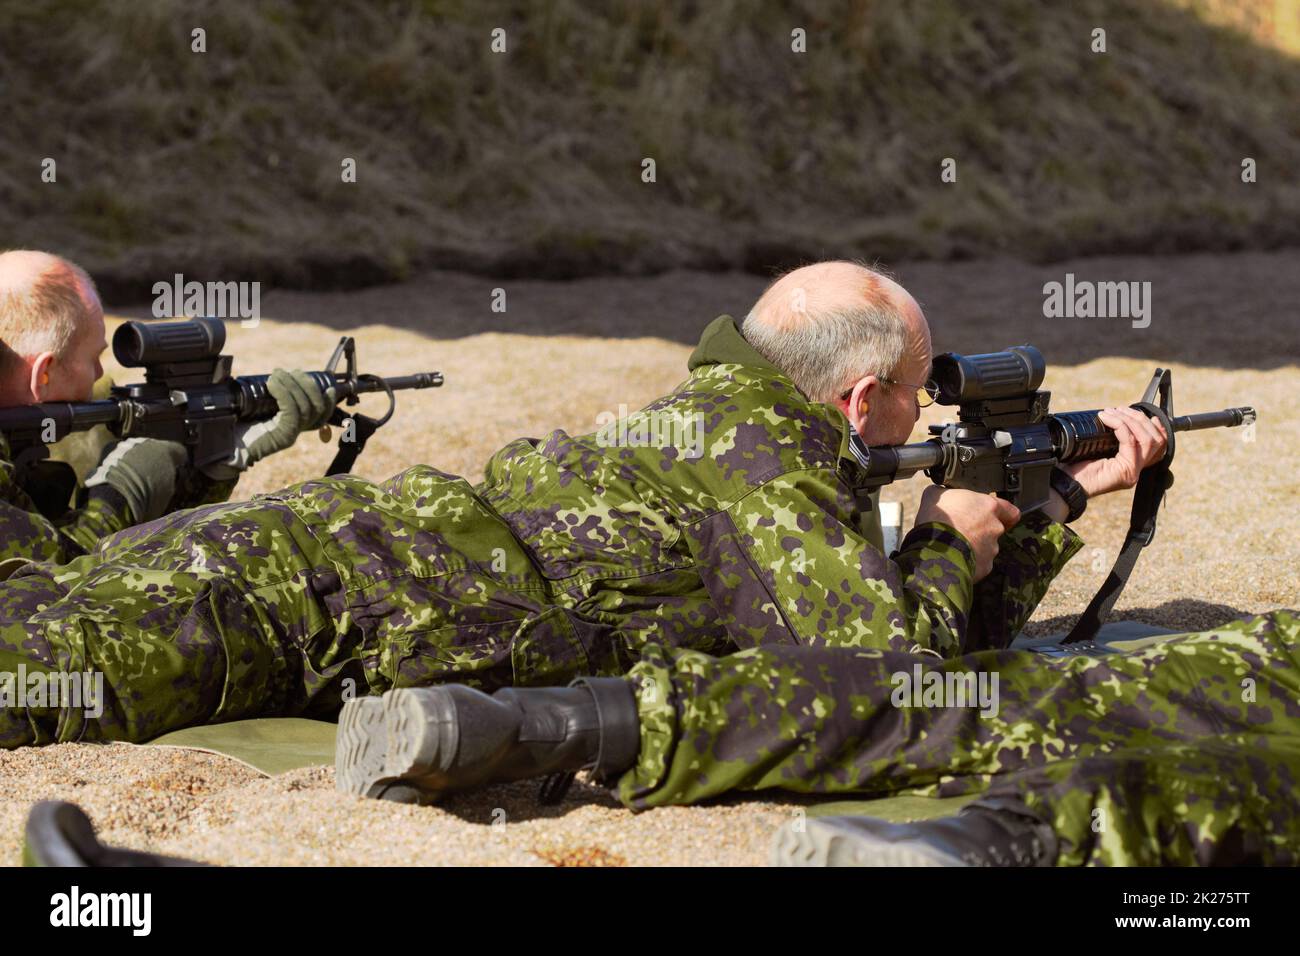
[{"x": 562, "y": 353}]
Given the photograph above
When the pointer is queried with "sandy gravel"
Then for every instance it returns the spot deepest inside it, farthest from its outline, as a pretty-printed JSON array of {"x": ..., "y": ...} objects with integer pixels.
[
  {"x": 1226, "y": 545},
  {"x": 210, "y": 808}
]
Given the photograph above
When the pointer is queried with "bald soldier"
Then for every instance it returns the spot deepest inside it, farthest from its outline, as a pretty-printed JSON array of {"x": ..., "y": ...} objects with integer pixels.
[
  {"x": 573, "y": 554},
  {"x": 51, "y": 338}
]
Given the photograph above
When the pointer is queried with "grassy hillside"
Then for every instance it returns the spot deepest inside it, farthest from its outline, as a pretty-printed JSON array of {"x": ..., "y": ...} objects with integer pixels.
[{"x": 227, "y": 163}]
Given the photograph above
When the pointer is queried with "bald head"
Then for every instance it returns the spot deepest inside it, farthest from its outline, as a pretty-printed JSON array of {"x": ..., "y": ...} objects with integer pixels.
[
  {"x": 828, "y": 324},
  {"x": 51, "y": 328},
  {"x": 21, "y": 268},
  {"x": 43, "y": 300}
]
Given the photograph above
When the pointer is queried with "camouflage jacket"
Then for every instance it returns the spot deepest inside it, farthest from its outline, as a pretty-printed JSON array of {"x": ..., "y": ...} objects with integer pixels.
[
  {"x": 732, "y": 508},
  {"x": 27, "y": 533}
]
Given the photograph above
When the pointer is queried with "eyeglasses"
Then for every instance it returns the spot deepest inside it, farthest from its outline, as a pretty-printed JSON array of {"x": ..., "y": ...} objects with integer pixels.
[{"x": 926, "y": 395}]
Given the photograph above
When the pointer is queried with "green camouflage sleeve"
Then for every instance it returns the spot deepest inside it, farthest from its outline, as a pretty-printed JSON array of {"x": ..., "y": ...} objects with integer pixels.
[
  {"x": 26, "y": 533},
  {"x": 101, "y": 511},
  {"x": 1030, "y": 556},
  {"x": 833, "y": 587}
]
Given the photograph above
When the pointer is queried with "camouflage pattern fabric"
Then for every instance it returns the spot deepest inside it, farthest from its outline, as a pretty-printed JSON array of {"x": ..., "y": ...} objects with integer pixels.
[
  {"x": 728, "y": 515},
  {"x": 1185, "y": 751},
  {"x": 28, "y": 534},
  {"x": 1211, "y": 802}
]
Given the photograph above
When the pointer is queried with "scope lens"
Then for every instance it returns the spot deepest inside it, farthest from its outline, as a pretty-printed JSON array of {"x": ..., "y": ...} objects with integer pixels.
[
  {"x": 128, "y": 344},
  {"x": 947, "y": 378}
]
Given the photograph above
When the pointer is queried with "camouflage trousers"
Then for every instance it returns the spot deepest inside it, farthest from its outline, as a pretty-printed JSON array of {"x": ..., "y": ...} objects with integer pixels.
[
  {"x": 1185, "y": 751},
  {"x": 285, "y": 605}
]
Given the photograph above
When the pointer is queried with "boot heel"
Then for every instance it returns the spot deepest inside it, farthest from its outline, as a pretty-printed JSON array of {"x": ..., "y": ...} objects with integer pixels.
[
  {"x": 423, "y": 731},
  {"x": 361, "y": 745}
]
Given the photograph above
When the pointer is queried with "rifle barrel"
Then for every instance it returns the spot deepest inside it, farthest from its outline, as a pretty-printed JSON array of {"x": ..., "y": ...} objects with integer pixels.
[
  {"x": 1227, "y": 418},
  {"x": 396, "y": 382}
]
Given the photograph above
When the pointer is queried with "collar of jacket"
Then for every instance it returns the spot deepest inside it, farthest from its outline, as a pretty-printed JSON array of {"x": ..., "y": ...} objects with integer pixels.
[{"x": 722, "y": 344}]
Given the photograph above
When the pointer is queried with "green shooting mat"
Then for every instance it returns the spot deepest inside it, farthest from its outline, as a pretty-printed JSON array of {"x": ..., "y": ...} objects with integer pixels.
[{"x": 270, "y": 745}]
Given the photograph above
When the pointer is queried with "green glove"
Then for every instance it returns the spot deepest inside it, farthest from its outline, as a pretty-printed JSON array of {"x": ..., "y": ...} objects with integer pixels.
[
  {"x": 302, "y": 407},
  {"x": 143, "y": 471}
]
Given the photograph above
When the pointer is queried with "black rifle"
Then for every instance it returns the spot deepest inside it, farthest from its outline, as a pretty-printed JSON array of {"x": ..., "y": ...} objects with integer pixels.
[
  {"x": 1006, "y": 441},
  {"x": 188, "y": 396}
]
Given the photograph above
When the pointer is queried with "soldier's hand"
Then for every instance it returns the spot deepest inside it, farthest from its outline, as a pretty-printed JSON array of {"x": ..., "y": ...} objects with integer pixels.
[
  {"x": 980, "y": 519},
  {"x": 301, "y": 407},
  {"x": 299, "y": 390},
  {"x": 1142, "y": 443},
  {"x": 143, "y": 471}
]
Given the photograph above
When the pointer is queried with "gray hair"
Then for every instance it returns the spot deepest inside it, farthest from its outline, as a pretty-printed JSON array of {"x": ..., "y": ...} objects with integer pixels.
[{"x": 829, "y": 351}]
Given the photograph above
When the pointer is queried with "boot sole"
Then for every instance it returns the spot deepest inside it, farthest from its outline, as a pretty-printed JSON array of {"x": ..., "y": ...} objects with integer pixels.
[
  {"x": 822, "y": 845},
  {"x": 385, "y": 745},
  {"x": 361, "y": 745}
]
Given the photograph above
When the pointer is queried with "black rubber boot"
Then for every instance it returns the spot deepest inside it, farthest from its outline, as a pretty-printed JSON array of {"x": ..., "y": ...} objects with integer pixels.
[
  {"x": 60, "y": 834},
  {"x": 976, "y": 836},
  {"x": 417, "y": 743}
]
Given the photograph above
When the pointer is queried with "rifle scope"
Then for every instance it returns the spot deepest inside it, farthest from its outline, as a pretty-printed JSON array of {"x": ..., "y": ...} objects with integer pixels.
[
  {"x": 137, "y": 344},
  {"x": 973, "y": 378}
]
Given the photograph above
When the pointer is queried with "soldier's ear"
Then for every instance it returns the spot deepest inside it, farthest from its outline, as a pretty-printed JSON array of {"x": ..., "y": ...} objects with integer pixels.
[
  {"x": 39, "y": 381},
  {"x": 859, "y": 402}
]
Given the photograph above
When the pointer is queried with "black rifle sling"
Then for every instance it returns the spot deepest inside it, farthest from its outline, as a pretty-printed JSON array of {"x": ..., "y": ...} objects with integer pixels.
[
  {"x": 1150, "y": 492},
  {"x": 363, "y": 427}
]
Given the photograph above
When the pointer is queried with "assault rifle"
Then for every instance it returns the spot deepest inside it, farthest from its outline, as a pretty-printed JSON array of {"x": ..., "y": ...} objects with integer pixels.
[
  {"x": 189, "y": 396},
  {"x": 1007, "y": 441}
]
